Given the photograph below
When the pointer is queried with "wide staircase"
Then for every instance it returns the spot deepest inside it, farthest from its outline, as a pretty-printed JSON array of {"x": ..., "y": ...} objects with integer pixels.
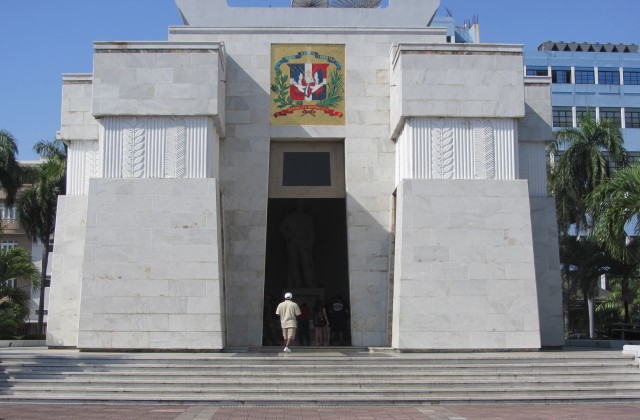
[{"x": 318, "y": 377}]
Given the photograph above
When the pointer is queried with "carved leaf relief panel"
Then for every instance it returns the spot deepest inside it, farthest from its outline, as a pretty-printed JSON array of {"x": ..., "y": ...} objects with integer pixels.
[
  {"x": 442, "y": 151},
  {"x": 92, "y": 162},
  {"x": 175, "y": 149},
  {"x": 154, "y": 147},
  {"x": 133, "y": 149},
  {"x": 484, "y": 150}
]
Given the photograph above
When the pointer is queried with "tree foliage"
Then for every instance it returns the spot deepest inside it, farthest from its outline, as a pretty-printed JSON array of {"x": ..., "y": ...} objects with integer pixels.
[
  {"x": 37, "y": 205},
  {"x": 10, "y": 170},
  {"x": 616, "y": 203},
  {"x": 583, "y": 166},
  {"x": 588, "y": 154},
  {"x": 14, "y": 304}
]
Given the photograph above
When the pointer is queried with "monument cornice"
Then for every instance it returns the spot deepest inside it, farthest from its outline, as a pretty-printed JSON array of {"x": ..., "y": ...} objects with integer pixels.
[
  {"x": 190, "y": 30},
  {"x": 216, "y": 13},
  {"x": 102, "y": 47},
  {"x": 456, "y": 49},
  {"x": 77, "y": 79}
]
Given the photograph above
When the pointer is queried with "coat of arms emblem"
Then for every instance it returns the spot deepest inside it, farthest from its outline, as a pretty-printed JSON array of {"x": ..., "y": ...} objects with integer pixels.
[{"x": 307, "y": 85}]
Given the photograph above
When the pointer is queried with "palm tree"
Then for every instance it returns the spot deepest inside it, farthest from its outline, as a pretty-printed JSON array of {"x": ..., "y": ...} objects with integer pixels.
[
  {"x": 583, "y": 166},
  {"x": 37, "y": 205},
  {"x": 619, "y": 299},
  {"x": 14, "y": 306},
  {"x": 617, "y": 205},
  {"x": 10, "y": 170}
]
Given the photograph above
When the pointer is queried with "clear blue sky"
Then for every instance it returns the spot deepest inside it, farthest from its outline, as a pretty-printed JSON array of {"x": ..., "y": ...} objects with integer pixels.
[{"x": 42, "y": 39}]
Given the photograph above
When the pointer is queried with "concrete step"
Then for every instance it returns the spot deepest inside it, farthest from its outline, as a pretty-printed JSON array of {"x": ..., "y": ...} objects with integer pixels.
[
  {"x": 383, "y": 397},
  {"x": 327, "y": 377}
]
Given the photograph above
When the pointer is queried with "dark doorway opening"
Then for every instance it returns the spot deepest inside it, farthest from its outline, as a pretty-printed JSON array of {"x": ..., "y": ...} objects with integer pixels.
[{"x": 330, "y": 282}]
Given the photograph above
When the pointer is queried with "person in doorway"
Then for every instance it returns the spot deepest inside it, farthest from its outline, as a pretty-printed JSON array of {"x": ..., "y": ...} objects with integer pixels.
[
  {"x": 321, "y": 323},
  {"x": 338, "y": 315},
  {"x": 288, "y": 311},
  {"x": 303, "y": 325}
]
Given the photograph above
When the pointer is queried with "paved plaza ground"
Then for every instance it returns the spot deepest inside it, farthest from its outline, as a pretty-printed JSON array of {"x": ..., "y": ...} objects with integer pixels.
[{"x": 204, "y": 412}]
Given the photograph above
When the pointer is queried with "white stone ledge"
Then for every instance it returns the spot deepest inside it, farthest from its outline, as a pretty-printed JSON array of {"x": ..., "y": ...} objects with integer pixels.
[
  {"x": 416, "y": 13},
  {"x": 454, "y": 49},
  {"x": 22, "y": 343},
  {"x": 323, "y": 30},
  {"x": 77, "y": 78},
  {"x": 160, "y": 46}
]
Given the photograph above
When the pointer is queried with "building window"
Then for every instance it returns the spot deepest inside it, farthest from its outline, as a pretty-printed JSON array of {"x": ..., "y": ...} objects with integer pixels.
[
  {"x": 632, "y": 117},
  {"x": 632, "y": 76},
  {"x": 608, "y": 76},
  {"x": 6, "y": 245},
  {"x": 537, "y": 71},
  {"x": 585, "y": 77},
  {"x": 306, "y": 169},
  {"x": 562, "y": 75},
  {"x": 11, "y": 283},
  {"x": 7, "y": 213},
  {"x": 612, "y": 114},
  {"x": 581, "y": 113},
  {"x": 562, "y": 117},
  {"x": 633, "y": 158},
  {"x": 303, "y": 170}
]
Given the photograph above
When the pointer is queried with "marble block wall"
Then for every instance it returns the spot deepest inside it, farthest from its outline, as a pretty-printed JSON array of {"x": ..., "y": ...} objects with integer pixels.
[
  {"x": 464, "y": 270},
  {"x": 152, "y": 272},
  {"x": 66, "y": 272},
  {"x": 545, "y": 244},
  {"x": 77, "y": 121},
  {"x": 369, "y": 168}
]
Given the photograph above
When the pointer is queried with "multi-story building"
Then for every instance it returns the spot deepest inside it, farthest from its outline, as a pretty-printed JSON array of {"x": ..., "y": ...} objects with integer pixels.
[
  {"x": 603, "y": 79},
  {"x": 13, "y": 235}
]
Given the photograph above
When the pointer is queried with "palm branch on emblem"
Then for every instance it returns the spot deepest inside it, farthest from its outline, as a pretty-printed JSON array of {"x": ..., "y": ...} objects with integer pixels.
[{"x": 335, "y": 91}]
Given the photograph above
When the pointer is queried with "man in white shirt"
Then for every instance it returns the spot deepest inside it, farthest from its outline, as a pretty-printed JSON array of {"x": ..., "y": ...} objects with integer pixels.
[{"x": 288, "y": 310}]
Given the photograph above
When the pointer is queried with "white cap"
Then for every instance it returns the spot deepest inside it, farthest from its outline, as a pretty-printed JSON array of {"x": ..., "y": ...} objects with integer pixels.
[{"x": 288, "y": 295}]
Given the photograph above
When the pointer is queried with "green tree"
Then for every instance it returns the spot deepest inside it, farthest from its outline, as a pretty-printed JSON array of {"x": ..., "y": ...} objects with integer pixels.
[
  {"x": 36, "y": 209},
  {"x": 582, "y": 261},
  {"x": 616, "y": 203},
  {"x": 584, "y": 164},
  {"x": 10, "y": 170},
  {"x": 619, "y": 300},
  {"x": 14, "y": 305}
]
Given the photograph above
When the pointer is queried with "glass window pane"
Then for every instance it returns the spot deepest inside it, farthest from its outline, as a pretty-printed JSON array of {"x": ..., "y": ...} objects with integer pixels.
[
  {"x": 608, "y": 76},
  {"x": 561, "y": 75},
  {"x": 632, "y": 117},
  {"x": 306, "y": 169},
  {"x": 632, "y": 77},
  {"x": 585, "y": 77},
  {"x": 562, "y": 117},
  {"x": 612, "y": 114},
  {"x": 537, "y": 71}
]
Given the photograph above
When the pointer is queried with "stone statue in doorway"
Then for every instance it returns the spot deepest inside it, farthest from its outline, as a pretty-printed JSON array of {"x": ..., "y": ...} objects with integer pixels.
[{"x": 297, "y": 230}]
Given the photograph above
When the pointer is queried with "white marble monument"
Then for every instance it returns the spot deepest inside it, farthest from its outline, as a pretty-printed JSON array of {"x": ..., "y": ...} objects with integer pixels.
[{"x": 180, "y": 150}]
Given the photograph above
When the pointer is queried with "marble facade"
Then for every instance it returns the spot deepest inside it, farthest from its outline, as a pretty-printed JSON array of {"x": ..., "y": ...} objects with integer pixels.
[{"x": 160, "y": 242}]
